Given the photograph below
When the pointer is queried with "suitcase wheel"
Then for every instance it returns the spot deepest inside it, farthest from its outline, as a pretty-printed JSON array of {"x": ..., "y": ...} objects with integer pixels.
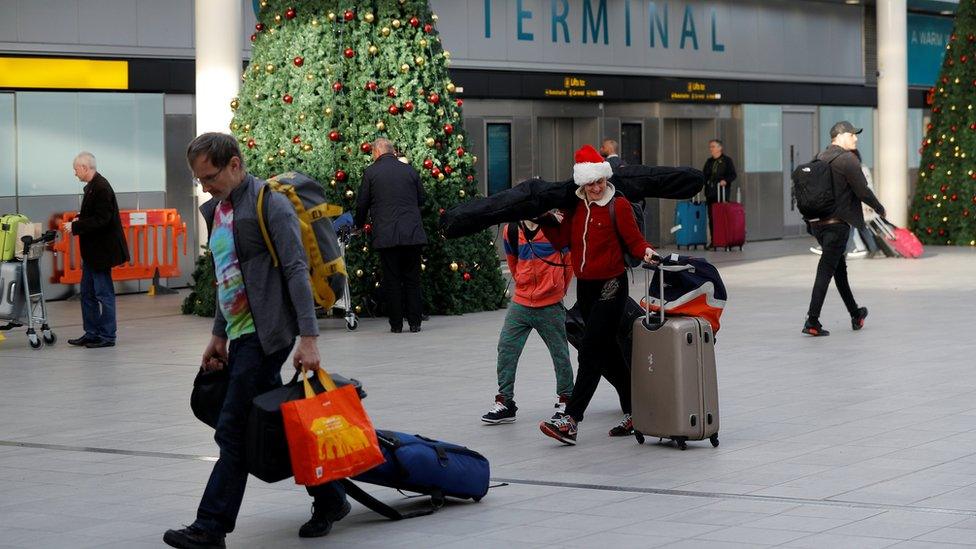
[
  {"x": 639, "y": 436},
  {"x": 681, "y": 443},
  {"x": 714, "y": 440}
]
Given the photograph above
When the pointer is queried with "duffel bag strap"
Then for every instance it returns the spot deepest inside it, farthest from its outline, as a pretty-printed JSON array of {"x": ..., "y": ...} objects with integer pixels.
[{"x": 377, "y": 506}]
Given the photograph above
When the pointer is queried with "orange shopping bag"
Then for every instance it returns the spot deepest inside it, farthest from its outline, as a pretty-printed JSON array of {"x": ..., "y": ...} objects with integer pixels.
[{"x": 329, "y": 435}]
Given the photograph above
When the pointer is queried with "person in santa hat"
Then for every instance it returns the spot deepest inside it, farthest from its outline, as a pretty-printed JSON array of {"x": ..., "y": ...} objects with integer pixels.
[{"x": 598, "y": 232}]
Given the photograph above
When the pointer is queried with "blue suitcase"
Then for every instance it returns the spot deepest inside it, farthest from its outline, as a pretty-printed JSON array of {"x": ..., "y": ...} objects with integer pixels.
[{"x": 691, "y": 224}]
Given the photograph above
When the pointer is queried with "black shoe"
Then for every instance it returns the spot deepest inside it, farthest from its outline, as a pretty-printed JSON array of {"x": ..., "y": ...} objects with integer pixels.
[
  {"x": 81, "y": 341},
  {"x": 415, "y": 329},
  {"x": 99, "y": 343},
  {"x": 857, "y": 321},
  {"x": 814, "y": 329},
  {"x": 561, "y": 427},
  {"x": 396, "y": 330},
  {"x": 192, "y": 537},
  {"x": 502, "y": 411},
  {"x": 321, "y": 522},
  {"x": 623, "y": 429}
]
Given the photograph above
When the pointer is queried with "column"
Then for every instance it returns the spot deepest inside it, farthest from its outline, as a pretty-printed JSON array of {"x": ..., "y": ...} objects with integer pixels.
[{"x": 892, "y": 161}]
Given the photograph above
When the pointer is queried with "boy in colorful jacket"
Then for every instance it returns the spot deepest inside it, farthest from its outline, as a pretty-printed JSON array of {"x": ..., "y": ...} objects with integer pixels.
[{"x": 541, "y": 274}]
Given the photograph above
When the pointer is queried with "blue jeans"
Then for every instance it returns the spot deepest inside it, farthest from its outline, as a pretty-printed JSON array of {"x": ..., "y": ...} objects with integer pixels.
[
  {"x": 97, "y": 303},
  {"x": 252, "y": 372}
]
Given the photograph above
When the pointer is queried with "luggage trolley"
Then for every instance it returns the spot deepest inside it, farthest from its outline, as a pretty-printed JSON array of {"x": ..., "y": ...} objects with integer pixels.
[
  {"x": 20, "y": 289},
  {"x": 345, "y": 234}
]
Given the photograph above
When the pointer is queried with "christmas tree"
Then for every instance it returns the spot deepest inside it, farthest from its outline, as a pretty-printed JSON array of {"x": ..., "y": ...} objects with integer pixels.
[
  {"x": 944, "y": 206},
  {"x": 325, "y": 79}
]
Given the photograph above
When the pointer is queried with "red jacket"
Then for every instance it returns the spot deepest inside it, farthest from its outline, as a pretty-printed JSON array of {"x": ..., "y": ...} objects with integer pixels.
[
  {"x": 596, "y": 241},
  {"x": 537, "y": 283}
]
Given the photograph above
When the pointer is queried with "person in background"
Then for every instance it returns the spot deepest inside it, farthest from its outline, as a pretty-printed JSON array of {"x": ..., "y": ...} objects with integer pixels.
[
  {"x": 719, "y": 174},
  {"x": 609, "y": 151}
]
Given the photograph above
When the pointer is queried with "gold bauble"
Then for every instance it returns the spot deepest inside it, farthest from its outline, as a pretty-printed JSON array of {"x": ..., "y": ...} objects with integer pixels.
[
  {"x": 264, "y": 3},
  {"x": 369, "y": 17},
  {"x": 454, "y": 266},
  {"x": 423, "y": 266},
  {"x": 309, "y": 77},
  {"x": 461, "y": 193},
  {"x": 350, "y": 194},
  {"x": 332, "y": 183},
  {"x": 474, "y": 159},
  {"x": 451, "y": 87},
  {"x": 282, "y": 152},
  {"x": 429, "y": 141},
  {"x": 247, "y": 127},
  {"x": 380, "y": 126},
  {"x": 358, "y": 309},
  {"x": 306, "y": 147},
  {"x": 385, "y": 31},
  {"x": 373, "y": 50},
  {"x": 433, "y": 17},
  {"x": 235, "y": 126},
  {"x": 277, "y": 18},
  {"x": 331, "y": 16},
  {"x": 328, "y": 111},
  {"x": 315, "y": 22},
  {"x": 423, "y": 42},
  {"x": 271, "y": 30},
  {"x": 460, "y": 137},
  {"x": 234, "y": 103},
  {"x": 447, "y": 54},
  {"x": 269, "y": 68},
  {"x": 396, "y": 23},
  {"x": 257, "y": 96},
  {"x": 440, "y": 112},
  {"x": 404, "y": 68},
  {"x": 301, "y": 117},
  {"x": 269, "y": 159},
  {"x": 440, "y": 177},
  {"x": 419, "y": 61},
  {"x": 359, "y": 272}
]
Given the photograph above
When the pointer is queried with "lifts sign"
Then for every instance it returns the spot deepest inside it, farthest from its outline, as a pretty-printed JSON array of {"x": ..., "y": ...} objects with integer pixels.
[{"x": 693, "y": 27}]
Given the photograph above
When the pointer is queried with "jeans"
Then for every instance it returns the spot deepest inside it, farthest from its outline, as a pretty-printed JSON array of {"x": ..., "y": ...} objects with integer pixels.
[
  {"x": 833, "y": 241},
  {"x": 602, "y": 303},
  {"x": 97, "y": 304},
  {"x": 252, "y": 372},
  {"x": 550, "y": 322},
  {"x": 401, "y": 280}
]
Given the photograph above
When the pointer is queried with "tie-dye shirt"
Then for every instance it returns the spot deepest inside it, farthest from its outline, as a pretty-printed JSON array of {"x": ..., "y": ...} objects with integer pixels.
[{"x": 231, "y": 297}]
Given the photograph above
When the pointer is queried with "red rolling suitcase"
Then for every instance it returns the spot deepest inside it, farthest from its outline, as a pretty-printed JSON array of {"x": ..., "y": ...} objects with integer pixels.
[{"x": 728, "y": 223}]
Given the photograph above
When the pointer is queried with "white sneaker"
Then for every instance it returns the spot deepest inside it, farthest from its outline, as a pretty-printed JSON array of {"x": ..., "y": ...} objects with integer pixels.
[
  {"x": 857, "y": 254},
  {"x": 816, "y": 250}
]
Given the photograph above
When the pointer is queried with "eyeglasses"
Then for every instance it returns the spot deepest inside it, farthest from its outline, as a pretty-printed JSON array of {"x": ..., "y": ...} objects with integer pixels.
[{"x": 207, "y": 180}]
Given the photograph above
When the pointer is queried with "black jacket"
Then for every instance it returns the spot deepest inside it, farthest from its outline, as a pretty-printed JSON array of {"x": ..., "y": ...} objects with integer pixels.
[
  {"x": 391, "y": 196},
  {"x": 850, "y": 187},
  {"x": 615, "y": 162},
  {"x": 99, "y": 227},
  {"x": 715, "y": 170}
]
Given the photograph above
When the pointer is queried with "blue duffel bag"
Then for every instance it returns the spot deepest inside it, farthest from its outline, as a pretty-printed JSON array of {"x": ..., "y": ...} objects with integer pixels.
[{"x": 425, "y": 466}]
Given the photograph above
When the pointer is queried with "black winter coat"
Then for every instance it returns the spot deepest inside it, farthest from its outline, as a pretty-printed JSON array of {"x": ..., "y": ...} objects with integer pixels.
[
  {"x": 391, "y": 196},
  {"x": 99, "y": 227},
  {"x": 850, "y": 187},
  {"x": 715, "y": 170}
]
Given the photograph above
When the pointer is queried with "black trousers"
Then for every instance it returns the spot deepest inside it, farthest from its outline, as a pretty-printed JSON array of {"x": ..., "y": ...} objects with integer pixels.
[
  {"x": 401, "y": 281},
  {"x": 602, "y": 303},
  {"x": 833, "y": 242}
]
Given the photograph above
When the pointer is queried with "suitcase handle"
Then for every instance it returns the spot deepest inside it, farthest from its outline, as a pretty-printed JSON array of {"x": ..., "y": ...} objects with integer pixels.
[{"x": 662, "y": 268}]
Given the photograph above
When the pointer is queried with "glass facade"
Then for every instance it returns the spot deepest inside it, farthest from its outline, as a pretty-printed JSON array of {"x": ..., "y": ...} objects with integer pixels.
[
  {"x": 762, "y": 127},
  {"x": 499, "y": 157},
  {"x": 632, "y": 143},
  {"x": 8, "y": 146}
]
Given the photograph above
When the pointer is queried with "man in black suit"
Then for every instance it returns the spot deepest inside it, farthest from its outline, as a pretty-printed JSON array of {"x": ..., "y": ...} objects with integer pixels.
[
  {"x": 99, "y": 229},
  {"x": 391, "y": 195}
]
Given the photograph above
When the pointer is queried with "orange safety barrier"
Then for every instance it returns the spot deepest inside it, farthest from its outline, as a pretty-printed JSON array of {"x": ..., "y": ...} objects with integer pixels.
[{"x": 153, "y": 237}]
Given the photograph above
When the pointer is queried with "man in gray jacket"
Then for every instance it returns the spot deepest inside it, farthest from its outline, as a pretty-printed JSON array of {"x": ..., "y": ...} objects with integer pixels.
[{"x": 261, "y": 309}]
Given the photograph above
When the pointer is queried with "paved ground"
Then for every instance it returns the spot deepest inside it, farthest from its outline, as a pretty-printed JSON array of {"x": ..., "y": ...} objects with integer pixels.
[{"x": 861, "y": 439}]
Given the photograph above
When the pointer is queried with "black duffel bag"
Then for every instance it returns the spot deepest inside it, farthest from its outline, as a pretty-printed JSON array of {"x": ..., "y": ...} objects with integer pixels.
[
  {"x": 267, "y": 447},
  {"x": 576, "y": 326}
]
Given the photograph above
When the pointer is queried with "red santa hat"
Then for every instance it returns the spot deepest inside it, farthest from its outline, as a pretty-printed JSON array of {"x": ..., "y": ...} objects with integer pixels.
[{"x": 590, "y": 166}]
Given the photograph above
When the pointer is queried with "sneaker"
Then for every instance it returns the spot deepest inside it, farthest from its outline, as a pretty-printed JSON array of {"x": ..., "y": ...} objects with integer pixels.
[
  {"x": 623, "y": 429},
  {"x": 857, "y": 254},
  {"x": 814, "y": 329},
  {"x": 857, "y": 321},
  {"x": 502, "y": 411},
  {"x": 561, "y": 427},
  {"x": 816, "y": 250},
  {"x": 561, "y": 402},
  {"x": 192, "y": 537},
  {"x": 322, "y": 520}
]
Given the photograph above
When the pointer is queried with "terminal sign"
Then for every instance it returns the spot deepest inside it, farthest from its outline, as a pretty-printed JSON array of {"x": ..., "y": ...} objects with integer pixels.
[
  {"x": 695, "y": 91},
  {"x": 573, "y": 87}
]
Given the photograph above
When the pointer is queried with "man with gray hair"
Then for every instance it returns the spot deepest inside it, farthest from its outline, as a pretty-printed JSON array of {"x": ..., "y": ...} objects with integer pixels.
[
  {"x": 102, "y": 242},
  {"x": 391, "y": 196},
  {"x": 609, "y": 151}
]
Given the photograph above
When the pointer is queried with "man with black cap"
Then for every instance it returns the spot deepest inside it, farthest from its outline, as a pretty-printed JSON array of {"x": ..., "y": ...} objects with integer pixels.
[{"x": 850, "y": 189}]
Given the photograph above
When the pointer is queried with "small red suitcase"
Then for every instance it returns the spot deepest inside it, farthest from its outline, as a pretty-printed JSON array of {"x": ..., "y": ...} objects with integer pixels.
[{"x": 728, "y": 223}]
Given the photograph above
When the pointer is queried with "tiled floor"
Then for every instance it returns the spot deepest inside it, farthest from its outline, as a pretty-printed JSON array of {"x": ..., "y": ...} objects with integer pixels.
[{"x": 859, "y": 440}]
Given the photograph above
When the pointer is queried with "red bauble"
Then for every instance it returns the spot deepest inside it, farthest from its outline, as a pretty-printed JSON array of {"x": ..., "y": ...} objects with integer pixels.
[
  {"x": 467, "y": 277},
  {"x": 434, "y": 98},
  {"x": 349, "y": 15},
  {"x": 428, "y": 164},
  {"x": 371, "y": 86},
  {"x": 349, "y": 53},
  {"x": 441, "y": 211},
  {"x": 952, "y": 37},
  {"x": 414, "y": 22},
  {"x": 259, "y": 27},
  {"x": 954, "y": 197},
  {"x": 931, "y": 166},
  {"x": 965, "y": 212},
  {"x": 408, "y": 106},
  {"x": 368, "y": 227},
  {"x": 964, "y": 58},
  {"x": 298, "y": 61},
  {"x": 916, "y": 217},
  {"x": 334, "y": 135},
  {"x": 448, "y": 129},
  {"x": 971, "y": 37},
  {"x": 366, "y": 148},
  {"x": 953, "y": 128},
  {"x": 296, "y": 140},
  {"x": 459, "y": 102},
  {"x": 391, "y": 92},
  {"x": 251, "y": 144},
  {"x": 941, "y": 232},
  {"x": 428, "y": 28},
  {"x": 470, "y": 179},
  {"x": 944, "y": 188},
  {"x": 929, "y": 126},
  {"x": 460, "y": 151},
  {"x": 290, "y": 13},
  {"x": 974, "y": 198},
  {"x": 254, "y": 38},
  {"x": 945, "y": 79},
  {"x": 340, "y": 175},
  {"x": 438, "y": 144},
  {"x": 287, "y": 98},
  {"x": 973, "y": 126},
  {"x": 435, "y": 171},
  {"x": 337, "y": 87},
  {"x": 448, "y": 169},
  {"x": 393, "y": 110}
]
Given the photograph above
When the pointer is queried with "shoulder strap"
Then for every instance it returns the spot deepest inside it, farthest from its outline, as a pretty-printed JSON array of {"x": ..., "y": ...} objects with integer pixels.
[
  {"x": 263, "y": 225},
  {"x": 377, "y": 506},
  {"x": 616, "y": 225},
  {"x": 513, "y": 239}
]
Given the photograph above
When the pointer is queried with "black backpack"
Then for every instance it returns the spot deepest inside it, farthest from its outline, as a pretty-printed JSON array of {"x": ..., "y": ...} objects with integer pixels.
[
  {"x": 637, "y": 208},
  {"x": 813, "y": 189}
]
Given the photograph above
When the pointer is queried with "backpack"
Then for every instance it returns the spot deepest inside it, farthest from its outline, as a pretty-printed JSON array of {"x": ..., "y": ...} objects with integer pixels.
[
  {"x": 513, "y": 240},
  {"x": 327, "y": 269},
  {"x": 637, "y": 209},
  {"x": 813, "y": 189}
]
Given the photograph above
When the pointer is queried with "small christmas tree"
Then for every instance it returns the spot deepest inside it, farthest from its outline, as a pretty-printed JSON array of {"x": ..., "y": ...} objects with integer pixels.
[
  {"x": 202, "y": 300},
  {"x": 325, "y": 79},
  {"x": 944, "y": 208}
]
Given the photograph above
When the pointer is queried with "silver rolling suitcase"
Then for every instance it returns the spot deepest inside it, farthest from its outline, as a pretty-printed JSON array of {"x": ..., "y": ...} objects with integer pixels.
[
  {"x": 12, "y": 296},
  {"x": 673, "y": 384}
]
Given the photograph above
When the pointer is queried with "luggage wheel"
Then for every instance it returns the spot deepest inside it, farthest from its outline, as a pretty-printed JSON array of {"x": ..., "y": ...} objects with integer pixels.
[
  {"x": 714, "y": 440},
  {"x": 681, "y": 443},
  {"x": 639, "y": 436}
]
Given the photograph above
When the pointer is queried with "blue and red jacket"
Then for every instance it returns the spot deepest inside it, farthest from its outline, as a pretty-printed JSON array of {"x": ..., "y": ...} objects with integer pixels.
[{"x": 537, "y": 283}]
